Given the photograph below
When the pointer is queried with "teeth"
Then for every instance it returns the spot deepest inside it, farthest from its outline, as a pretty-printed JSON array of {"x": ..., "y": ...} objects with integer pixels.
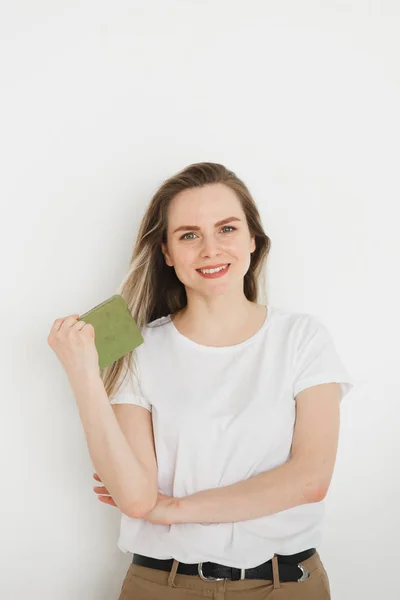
[{"x": 212, "y": 270}]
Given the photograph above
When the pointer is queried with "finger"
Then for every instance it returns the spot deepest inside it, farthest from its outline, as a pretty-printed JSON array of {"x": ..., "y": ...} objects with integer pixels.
[
  {"x": 78, "y": 325},
  {"x": 107, "y": 500},
  {"x": 58, "y": 322},
  {"x": 101, "y": 490},
  {"x": 95, "y": 476},
  {"x": 64, "y": 323},
  {"x": 89, "y": 329},
  {"x": 56, "y": 325},
  {"x": 70, "y": 321}
]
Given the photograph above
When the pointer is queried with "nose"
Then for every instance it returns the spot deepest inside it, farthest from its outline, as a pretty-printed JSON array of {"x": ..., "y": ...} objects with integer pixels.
[{"x": 210, "y": 246}]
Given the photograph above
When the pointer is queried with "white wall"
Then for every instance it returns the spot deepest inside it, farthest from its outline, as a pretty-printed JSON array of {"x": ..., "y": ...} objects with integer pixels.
[{"x": 100, "y": 102}]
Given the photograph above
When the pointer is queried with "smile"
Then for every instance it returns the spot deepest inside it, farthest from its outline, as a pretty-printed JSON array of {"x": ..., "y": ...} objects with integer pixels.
[{"x": 214, "y": 273}]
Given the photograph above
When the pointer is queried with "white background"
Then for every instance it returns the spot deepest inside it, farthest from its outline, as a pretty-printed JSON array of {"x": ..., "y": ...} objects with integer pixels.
[{"x": 100, "y": 102}]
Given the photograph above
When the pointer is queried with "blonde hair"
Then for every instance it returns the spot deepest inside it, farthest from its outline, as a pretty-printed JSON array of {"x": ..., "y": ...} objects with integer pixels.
[{"x": 151, "y": 288}]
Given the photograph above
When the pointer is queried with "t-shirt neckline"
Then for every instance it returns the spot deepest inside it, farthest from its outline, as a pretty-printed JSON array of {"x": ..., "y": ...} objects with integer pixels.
[{"x": 233, "y": 347}]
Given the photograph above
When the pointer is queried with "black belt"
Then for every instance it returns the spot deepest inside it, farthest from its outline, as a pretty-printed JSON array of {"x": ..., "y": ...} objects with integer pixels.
[{"x": 289, "y": 569}]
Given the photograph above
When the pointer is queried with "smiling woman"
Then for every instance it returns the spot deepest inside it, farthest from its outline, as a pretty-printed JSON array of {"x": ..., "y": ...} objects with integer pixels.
[
  {"x": 214, "y": 243},
  {"x": 242, "y": 403}
]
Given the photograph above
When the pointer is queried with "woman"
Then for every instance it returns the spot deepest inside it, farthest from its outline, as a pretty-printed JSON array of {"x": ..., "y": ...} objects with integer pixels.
[{"x": 226, "y": 426}]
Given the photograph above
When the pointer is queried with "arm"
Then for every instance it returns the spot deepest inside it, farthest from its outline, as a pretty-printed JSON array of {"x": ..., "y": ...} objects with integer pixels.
[
  {"x": 132, "y": 482},
  {"x": 304, "y": 478}
]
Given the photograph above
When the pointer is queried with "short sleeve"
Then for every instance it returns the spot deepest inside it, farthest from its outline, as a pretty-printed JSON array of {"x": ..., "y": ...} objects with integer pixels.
[
  {"x": 317, "y": 360},
  {"x": 130, "y": 392}
]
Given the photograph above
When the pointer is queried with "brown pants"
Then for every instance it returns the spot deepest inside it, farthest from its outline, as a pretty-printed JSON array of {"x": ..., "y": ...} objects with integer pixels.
[{"x": 143, "y": 583}]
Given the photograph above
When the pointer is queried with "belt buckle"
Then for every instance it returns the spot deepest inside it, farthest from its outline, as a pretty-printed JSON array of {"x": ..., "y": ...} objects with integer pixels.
[
  {"x": 204, "y": 578},
  {"x": 306, "y": 573}
]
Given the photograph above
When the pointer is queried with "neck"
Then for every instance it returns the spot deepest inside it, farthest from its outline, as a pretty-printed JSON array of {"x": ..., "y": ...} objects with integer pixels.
[{"x": 217, "y": 317}]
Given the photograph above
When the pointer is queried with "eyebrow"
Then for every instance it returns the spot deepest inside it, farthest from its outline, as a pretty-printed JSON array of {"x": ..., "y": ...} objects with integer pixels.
[{"x": 195, "y": 228}]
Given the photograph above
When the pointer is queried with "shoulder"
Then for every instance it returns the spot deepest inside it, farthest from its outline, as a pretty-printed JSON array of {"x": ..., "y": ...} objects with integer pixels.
[
  {"x": 297, "y": 329},
  {"x": 294, "y": 321},
  {"x": 155, "y": 329}
]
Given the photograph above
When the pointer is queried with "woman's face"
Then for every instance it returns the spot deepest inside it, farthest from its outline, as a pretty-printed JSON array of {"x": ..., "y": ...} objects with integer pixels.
[{"x": 201, "y": 243}]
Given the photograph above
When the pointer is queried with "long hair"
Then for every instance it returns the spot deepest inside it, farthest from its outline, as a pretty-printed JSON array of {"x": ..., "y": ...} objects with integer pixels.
[{"x": 151, "y": 288}]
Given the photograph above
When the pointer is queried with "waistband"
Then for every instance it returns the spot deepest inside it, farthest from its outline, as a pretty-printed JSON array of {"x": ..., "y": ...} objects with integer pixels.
[{"x": 289, "y": 567}]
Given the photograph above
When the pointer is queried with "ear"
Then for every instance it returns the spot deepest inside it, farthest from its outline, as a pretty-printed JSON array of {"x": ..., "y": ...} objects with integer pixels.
[
  {"x": 253, "y": 244},
  {"x": 166, "y": 255}
]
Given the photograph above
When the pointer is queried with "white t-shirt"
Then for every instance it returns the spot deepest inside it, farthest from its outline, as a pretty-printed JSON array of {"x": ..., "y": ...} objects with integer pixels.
[{"x": 222, "y": 415}]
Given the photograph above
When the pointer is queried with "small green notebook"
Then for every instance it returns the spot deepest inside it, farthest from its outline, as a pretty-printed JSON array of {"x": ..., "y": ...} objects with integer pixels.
[{"x": 116, "y": 331}]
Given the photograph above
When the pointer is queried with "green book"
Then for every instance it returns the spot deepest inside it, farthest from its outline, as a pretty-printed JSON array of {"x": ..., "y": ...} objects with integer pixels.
[{"x": 116, "y": 331}]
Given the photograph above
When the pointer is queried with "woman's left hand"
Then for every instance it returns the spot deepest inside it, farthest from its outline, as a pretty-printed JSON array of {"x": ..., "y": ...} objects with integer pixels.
[{"x": 162, "y": 513}]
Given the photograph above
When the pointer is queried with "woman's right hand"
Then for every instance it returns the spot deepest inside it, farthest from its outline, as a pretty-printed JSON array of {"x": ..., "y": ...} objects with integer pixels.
[
  {"x": 73, "y": 342},
  {"x": 107, "y": 499}
]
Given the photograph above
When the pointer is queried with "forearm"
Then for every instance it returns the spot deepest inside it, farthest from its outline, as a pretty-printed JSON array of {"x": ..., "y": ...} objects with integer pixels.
[
  {"x": 264, "y": 494},
  {"x": 113, "y": 460}
]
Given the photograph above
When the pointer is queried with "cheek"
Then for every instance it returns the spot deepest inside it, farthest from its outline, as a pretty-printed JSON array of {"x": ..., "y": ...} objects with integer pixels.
[
  {"x": 185, "y": 258},
  {"x": 237, "y": 249}
]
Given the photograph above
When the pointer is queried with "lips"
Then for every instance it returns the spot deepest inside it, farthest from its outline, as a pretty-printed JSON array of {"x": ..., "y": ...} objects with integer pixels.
[
  {"x": 216, "y": 274},
  {"x": 214, "y": 266}
]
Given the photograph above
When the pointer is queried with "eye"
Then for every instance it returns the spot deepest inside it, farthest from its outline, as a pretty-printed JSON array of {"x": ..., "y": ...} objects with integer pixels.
[{"x": 224, "y": 227}]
